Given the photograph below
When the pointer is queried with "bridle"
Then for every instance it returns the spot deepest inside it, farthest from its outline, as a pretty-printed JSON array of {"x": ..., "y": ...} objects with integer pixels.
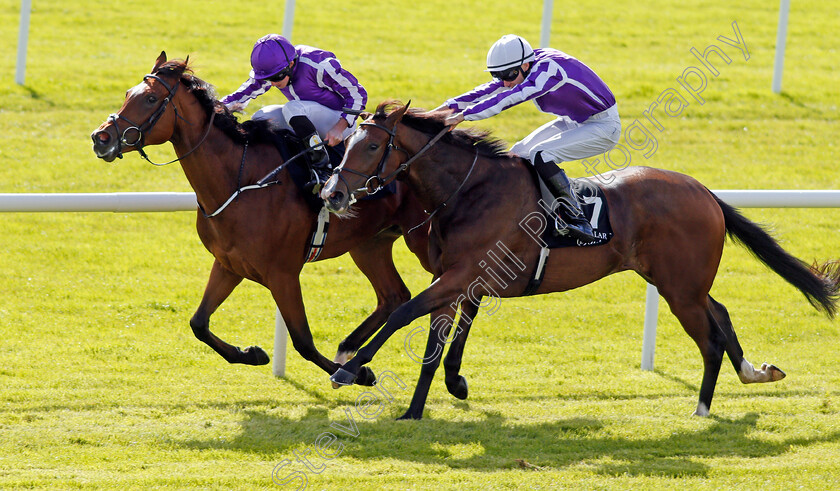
[
  {"x": 139, "y": 142},
  {"x": 375, "y": 182}
]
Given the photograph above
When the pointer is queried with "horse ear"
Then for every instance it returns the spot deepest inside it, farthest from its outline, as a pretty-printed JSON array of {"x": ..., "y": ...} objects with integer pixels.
[
  {"x": 160, "y": 61},
  {"x": 365, "y": 115},
  {"x": 396, "y": 116}
]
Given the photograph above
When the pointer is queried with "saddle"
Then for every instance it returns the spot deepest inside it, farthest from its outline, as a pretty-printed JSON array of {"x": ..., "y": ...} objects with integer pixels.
[{"x": 592, "y": 202}]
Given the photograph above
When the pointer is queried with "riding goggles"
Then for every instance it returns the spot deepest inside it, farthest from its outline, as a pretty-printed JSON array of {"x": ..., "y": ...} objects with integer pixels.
[
  {"x": 280, "y": 75},
  {"x": 508, "y": 75}
]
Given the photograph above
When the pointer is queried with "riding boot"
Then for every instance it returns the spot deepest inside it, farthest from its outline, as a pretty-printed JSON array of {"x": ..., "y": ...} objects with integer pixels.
[
  {"x": 320, "y": 166},
  {"x": 558, "y": 184}
]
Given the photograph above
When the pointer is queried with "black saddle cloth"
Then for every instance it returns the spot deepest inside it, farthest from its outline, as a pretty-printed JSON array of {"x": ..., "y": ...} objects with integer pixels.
[
  {"x": 592, "y": 202},
  {"x": 289, "y": 145}
]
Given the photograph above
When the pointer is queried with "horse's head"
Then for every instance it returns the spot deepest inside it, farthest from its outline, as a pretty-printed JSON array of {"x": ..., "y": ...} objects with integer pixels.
[
  {"x": 145, "y": 117},
  {"x": 369, "y": 162}
]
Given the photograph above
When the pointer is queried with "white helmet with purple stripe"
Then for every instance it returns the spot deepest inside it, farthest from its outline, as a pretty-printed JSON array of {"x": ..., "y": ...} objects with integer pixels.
[
  {"x": 511, "y": 51},
  {"x": 272, "y": 53}
]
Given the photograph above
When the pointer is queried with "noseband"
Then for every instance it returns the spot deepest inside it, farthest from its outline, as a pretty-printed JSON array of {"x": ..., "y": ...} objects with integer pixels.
[{"x": 139, "y": 142}]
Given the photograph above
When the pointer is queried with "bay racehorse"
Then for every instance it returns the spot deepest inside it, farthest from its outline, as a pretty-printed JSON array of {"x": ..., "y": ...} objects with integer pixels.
[
  {"x": 262, "y": 235},
  {"x": 668, "y": 228}
]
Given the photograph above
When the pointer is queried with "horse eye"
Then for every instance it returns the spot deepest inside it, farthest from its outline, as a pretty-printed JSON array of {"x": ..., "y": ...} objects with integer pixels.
[
  {"x": 373, "y": 147},
  {"x": 151, "y": 99}
]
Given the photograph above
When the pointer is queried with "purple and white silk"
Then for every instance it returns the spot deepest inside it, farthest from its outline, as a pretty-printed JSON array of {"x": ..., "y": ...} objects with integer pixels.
[
  {"x": 557, "y": 83},
  {"x": 318, "y": 77}
]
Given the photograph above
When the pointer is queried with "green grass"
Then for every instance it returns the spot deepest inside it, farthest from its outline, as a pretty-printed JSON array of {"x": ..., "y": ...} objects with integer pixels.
[{"x": 103, "y": 386}]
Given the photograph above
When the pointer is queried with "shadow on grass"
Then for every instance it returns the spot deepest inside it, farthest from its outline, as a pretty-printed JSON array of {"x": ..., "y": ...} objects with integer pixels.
[{"x": 494, "y": 443}]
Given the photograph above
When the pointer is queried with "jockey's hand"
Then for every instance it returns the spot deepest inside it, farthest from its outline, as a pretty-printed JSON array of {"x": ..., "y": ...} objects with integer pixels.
[
  {"x": 334, "y": 136},
  {"x": 236, "y": 107},
  {"x": 453, "y": 119}
]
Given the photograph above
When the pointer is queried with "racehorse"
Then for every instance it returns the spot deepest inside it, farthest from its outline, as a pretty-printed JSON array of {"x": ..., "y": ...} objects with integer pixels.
[
  {"x": 263, "y": 234},
  {"x": 668, "y": 228}
]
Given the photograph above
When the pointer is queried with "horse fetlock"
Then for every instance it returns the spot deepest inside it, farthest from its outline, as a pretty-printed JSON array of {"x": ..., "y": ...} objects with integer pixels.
[{"x": 702, "y": 410}]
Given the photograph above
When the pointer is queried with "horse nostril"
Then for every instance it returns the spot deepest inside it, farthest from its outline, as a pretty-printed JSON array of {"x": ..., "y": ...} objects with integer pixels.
[{"x": 100, "y": 137}]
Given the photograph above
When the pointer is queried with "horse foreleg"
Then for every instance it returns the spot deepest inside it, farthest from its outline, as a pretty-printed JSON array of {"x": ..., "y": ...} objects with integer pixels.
[
  {"x": 219, "y": 287},
  {"x": 745, "y": 370},
  {"x": 440, "y": 326},
  {"x": 439, "y": 294},
  {"x": 287, "y": 294},
  {"x": 375, "y": 260}
]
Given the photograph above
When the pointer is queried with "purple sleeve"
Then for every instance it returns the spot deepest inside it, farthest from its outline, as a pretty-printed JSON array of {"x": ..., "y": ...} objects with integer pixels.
[
  {"x": 247, "y": 91},
  {"x": 465, "y": 100},
  {"x": 346, "y": 86},
  {"x": 532, "y": 87}
]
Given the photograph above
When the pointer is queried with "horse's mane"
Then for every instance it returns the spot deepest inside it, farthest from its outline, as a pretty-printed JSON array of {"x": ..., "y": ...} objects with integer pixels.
[
  {"x": 251, "y": 132},
  {"x": 431, "y": 123}
]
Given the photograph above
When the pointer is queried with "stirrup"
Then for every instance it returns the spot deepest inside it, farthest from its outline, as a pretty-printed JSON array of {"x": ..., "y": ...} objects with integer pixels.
[{"x": 319, "y": 177}]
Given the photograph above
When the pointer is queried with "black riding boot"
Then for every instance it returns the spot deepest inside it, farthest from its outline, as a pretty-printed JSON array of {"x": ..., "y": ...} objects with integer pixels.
[
  {"x": 558, "y": 184},
  {"x": 319, "y": 161}
]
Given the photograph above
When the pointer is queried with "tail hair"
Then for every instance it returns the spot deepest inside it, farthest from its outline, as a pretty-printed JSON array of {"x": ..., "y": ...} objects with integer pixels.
[{"x": 820, "y": 283}]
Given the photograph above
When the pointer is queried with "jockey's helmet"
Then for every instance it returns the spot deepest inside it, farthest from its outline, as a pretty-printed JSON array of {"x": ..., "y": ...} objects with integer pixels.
[
  {"x": 511, "y": 51},
  {"x": 272, "y": 53}
]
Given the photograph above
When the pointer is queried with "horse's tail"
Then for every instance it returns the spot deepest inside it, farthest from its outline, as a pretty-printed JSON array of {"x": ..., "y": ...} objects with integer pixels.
[{"x": 819, "y": 283}]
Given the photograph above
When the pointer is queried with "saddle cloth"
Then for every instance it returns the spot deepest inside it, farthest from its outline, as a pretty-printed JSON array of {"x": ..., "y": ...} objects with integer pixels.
[{"x": 594, "y": 205}]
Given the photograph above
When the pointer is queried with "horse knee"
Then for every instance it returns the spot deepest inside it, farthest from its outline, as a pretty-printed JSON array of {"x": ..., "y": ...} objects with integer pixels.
[{"x": 200, "y": 327}]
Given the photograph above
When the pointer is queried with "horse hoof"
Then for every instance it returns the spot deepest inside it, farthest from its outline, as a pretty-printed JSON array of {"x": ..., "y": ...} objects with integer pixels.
[
  {"x": 342, "y": 377},
  {"x": 366, "y": 377},
  {"x": 410, "y": 415},
  {"x": 776, "y": 373},
  {"x": 459, "y": 388},
  {"x": 254, "y": 355}
]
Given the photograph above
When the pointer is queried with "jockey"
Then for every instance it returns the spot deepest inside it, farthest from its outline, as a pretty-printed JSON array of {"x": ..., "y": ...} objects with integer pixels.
[
  {"x": 587, "y": 122},
  {"x": 318, "y": 90}
]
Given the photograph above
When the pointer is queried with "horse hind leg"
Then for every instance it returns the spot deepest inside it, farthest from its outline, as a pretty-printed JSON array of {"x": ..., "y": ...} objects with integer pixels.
[
  {"x": 439, "y": 329},
  {"x": 697, "y": 321},
  {"x": 745, "y": 370},
  {"x": 456, "y": 383}
]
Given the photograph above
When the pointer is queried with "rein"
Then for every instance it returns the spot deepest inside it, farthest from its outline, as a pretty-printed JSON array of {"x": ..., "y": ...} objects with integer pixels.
[
  {"x": 262, "y": 183},
  {"x": 152, "y": 120},
  {"x": 443, "y": 205}
]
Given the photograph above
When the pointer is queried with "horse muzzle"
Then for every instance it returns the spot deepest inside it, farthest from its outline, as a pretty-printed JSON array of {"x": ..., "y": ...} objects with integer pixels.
[
  {"x": 335, "y": 200},
  {"x": 105, "y": 145}
]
